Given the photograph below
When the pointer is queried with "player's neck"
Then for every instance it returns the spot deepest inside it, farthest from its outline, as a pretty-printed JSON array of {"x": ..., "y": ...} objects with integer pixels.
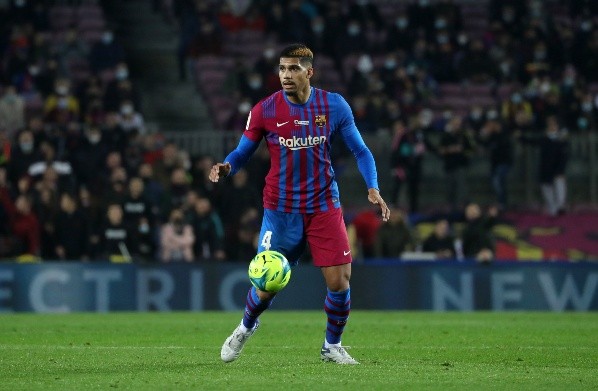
[{"x": 301, "y": 97}]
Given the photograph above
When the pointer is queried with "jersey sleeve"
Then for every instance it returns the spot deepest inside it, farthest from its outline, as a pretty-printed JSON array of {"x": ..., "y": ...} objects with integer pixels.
[
  {"x": 355, "y": 143},
  {"x": 250, "y": 140},
  {"x": 254, "y": 130}
]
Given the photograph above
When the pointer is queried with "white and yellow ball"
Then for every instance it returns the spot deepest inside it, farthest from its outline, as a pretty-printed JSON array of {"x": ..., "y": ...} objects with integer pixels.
[{"x": 269, "y": 271}]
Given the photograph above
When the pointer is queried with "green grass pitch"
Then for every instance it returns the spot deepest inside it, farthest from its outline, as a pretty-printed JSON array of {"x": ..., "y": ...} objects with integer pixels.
[{"x": 397, "y": 350}]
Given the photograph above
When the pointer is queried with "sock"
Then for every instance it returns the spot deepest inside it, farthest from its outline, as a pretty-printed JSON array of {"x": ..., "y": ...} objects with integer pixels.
[
  {"x": 253, "y": 308},
  {"x": 337, "y": 307}
]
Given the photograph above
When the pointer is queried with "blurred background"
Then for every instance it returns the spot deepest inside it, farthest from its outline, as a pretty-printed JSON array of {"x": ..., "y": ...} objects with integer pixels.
[{"x": 481, "y": 115}]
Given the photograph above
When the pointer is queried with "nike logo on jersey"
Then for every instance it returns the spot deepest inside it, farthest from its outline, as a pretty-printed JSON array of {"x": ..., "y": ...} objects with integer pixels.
[
  {"x": 345, "y": 253},
  {"x": 279, "y": 125}
]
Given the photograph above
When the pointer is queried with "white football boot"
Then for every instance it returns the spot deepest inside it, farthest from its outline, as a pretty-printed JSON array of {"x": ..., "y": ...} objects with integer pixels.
[
  {"x": 337, "y": 354},
  {"x": 231, "y": 350}
]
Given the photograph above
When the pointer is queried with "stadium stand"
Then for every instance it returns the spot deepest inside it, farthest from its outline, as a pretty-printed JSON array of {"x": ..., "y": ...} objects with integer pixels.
[{"x": 68, "y": 104}]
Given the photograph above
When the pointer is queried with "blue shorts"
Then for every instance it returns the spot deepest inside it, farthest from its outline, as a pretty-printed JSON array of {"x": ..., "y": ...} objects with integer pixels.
[{"x": 288, "y": 233}]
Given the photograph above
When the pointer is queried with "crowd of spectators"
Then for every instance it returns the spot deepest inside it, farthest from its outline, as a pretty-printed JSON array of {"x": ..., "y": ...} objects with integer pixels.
[{"x": 81, "y": 178}]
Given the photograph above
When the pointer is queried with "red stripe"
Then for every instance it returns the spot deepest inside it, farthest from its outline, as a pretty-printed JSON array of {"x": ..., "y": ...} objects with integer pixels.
[
  {"x": 250, "y": 303},
  {"x": 334, "y": 332},
  {"x": 328, "y": 310},
  {"x": 347, "y": 303}
]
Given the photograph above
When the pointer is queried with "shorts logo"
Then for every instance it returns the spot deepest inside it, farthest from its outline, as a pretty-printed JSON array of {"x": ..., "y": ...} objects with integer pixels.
[
  {"x": 296, "y": 143},
  {"x": 345, "y": 253},
  {"x": 320, "y": 120}
]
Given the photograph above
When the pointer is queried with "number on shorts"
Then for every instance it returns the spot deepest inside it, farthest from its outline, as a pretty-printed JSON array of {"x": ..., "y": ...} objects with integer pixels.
[{"x": 266, "y": 240}]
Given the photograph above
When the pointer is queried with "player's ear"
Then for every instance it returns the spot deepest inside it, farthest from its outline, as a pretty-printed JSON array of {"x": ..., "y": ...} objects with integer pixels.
[{"x": 310, "y": 72}]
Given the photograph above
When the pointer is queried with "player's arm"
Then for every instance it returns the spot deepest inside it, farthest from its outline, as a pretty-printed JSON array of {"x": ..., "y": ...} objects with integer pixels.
[
  {"x": 235, "y": 160},
  {"x": 364, "y": 157},
  {"x": 249, "y": 142},
  {"x": 367, "y": 167}
]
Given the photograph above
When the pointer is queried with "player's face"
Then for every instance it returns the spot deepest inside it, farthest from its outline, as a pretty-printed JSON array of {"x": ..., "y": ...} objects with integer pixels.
[{"x": 294, "y": 77}]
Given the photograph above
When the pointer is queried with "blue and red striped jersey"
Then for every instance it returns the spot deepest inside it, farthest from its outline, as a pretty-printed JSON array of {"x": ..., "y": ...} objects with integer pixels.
[{"x": 299, "y": 137}]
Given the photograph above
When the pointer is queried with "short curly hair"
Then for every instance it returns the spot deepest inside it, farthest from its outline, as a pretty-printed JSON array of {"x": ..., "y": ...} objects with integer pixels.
[{"x": 300, "y": 51}]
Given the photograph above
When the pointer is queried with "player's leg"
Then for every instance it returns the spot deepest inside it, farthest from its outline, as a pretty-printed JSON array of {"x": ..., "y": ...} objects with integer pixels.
[
  {"x": 282, "y": 232},
  {"x": 327, "y": 237}
]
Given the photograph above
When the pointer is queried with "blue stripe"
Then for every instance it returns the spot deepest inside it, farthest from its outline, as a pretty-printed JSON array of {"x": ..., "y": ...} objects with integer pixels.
[
  {"x": 310, "y": 163},
  {"x": 321, "y": 197}
]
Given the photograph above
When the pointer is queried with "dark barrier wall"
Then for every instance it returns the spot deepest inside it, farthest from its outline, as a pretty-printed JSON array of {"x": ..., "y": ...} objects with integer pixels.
[{"x": 67, "y": 287}]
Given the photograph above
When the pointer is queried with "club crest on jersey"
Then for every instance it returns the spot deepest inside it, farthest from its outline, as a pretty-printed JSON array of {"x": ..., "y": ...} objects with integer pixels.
[{"x": 320, "y": 120}]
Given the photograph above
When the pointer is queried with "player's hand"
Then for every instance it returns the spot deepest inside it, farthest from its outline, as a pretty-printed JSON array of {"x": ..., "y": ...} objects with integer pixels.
[
  {"x": 219, "y": 170},
  {"x": 375, "y": 198}
]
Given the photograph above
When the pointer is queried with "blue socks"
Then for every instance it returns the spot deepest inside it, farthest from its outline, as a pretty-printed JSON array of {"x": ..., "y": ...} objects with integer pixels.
[
  {"x": 253, "y": 308},
  {"x": 337, "y": 307}
]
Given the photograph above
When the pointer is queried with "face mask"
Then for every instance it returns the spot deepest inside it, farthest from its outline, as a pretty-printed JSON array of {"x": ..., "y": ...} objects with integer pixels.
[
  {"x": 516, "y": 98},
  {"x": 144, "y": 228},
  {"x": 62, "y": 90},
  {"x": 107, "y": 37},
  {"x": 365, "y": 65},
  {"x": 255, "y": 83},
  {"x": 586, "y": 26},
  {"x": 26, "y": 146},
  {"x": 569, "y": 81},
  {"x": 269, "y": 53},
  {"x": 424, "y": 3},
  {"x": 402, "y": 23},
  {"x": 122, "y": 74},
  {"x": 505, "y": 67},
  {"x": 126, "y": 110},
  {"x": 20, "y": 3},
  {"x": 544, "y": 87},
  {"x": 462, "y": 39},
  {"x": 353, "y": 30},
  {"x": 94, "y": 138},
  {"x": 476, "y": 115},
  {"x": 540, "y": 55},
  {"x": 582, "y": 123},
  {"x": 390, "y": 64},
  {"x": 317, "y": 27},
  {"x": 244, "y": 107},
  {"x": 492, "y": 115},
  {"x": 440, "y": 23},
  {"x": 586, "y": 106},
  {"x": 34, "y": 70}
]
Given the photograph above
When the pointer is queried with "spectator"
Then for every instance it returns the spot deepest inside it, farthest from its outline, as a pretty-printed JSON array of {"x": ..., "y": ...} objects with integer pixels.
[
  {"x": 176, "y": 239},
  {"x": 366, "y": 224},
  {"x": 208, "y": 231},
  {"x": 500, "y": 146},
  {"x": 71, "y": 230},
  {"x": 135, "y": 206},
  {"x": 456, "y": 147},
  {"x": 114, "y": 238},
  {"x": 46, "y": 209},
  {"x": 552, "y": 164},
  {"x": 22, "y": 222},
  {"x": 106, "y": 53},
  {"x": 408, "y": 148},
  {"x": 478, "y": 240},
  {"x": 131, "y": 120},
  {"x": 440, "y": 242},
  {"x": 12, "y": 111},
  {"x": 394, "y": 237},
  {"x": 23, "y": 155},
  {"x": 72, "y": 51}
]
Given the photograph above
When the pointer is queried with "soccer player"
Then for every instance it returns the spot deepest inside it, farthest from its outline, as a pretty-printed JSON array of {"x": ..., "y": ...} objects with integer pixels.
[{"x": 301, "y": 197}]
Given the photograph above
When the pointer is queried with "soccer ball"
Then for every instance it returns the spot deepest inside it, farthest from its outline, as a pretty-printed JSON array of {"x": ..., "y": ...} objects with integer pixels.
[{"x": 269, "y": 271}]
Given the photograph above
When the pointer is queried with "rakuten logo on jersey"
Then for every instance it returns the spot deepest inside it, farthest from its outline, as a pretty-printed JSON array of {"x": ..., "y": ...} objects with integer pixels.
[{"x": 301, "y": 142}]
